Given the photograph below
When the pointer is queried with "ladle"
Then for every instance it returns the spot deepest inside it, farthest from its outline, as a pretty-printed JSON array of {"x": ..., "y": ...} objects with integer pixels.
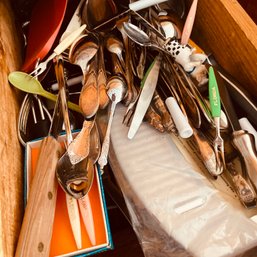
[
  {"x": 29, "y": 84},
  {"x": 116, "y": 91},
  {"x": 114, "y": 45}
]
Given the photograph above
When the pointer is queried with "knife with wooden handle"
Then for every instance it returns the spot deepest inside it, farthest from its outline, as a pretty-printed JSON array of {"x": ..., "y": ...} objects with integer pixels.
[{"x": 36, "y": 231}]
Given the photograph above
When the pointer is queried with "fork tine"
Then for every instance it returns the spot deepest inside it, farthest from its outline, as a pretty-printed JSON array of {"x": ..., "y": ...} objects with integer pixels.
[{"x": 218, "y": 144}]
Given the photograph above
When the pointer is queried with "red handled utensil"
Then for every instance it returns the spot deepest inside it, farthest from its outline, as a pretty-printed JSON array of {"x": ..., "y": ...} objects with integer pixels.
[{"x": 44, "y": 26}]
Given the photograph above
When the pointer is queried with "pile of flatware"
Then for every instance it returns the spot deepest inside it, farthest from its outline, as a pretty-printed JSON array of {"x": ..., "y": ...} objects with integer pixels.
[{"x": 143, "y": 57}]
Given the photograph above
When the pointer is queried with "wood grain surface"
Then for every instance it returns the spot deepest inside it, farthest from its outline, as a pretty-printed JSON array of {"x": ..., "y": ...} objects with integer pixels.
[
  {"x": 11, "y": 161},
  {"x": 223, "y": 28}
]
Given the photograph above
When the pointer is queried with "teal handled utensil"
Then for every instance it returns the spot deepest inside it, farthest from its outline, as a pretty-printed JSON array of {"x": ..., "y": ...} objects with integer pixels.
[
  {"x": 218, "y": 142},
  {"x": 29, "y": 84}
]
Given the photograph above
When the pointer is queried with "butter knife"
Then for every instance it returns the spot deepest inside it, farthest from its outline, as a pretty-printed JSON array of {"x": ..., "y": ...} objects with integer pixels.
[{"x": 148, "y": 85}]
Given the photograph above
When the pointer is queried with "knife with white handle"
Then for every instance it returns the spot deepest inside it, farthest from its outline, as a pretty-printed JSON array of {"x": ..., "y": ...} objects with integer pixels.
[
  {"x": 74, "y": 23},
  {"x": 148, "y": 85}
]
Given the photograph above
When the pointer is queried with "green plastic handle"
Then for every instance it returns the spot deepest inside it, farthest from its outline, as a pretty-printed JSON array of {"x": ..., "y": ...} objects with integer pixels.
[
  {"x": 214, "y": 95},
  {"x": 29, "y": 84}
]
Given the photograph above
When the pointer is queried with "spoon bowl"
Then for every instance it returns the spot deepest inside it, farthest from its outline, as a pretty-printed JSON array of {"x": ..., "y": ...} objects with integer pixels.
[
  {"x": 29, "y": 84},
  {"x": 83, "y": 50},
  {"x": 140, "y": 37},
  {"x": 114, "y": 45}
]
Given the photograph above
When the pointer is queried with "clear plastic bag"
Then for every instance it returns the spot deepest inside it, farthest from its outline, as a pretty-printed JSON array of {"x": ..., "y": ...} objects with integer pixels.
[{"x": 175, "y": 210}]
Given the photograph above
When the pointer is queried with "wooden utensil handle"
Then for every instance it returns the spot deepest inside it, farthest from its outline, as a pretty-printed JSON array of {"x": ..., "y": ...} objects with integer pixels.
[{"x": 36, "y": 231}]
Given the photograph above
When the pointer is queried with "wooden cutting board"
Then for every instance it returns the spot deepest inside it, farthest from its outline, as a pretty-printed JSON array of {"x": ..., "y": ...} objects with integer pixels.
[{"x": 11, "y": 159}]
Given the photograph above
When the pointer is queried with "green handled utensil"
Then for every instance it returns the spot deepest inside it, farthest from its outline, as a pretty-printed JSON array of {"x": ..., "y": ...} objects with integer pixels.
[
  {"x": 218, "y": 142},
  {"x": 214, "y": 95},
  {"x": 29, "y": 84}
]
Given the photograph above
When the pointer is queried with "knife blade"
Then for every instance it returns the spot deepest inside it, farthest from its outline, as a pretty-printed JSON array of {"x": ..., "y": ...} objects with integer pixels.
[
  {"x": 148, "y": 85},
  {"x": 242, "y": 140}
]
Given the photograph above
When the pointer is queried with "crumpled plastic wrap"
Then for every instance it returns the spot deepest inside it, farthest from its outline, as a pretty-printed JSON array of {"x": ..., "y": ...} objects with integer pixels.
[{"x": 175, "y": 210}]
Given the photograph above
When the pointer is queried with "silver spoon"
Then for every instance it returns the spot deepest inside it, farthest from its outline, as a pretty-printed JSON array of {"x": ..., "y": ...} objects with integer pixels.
[
  {"x": 81, "y": 53},
  {"x": 83, "y": 50},
  {"x": 116, "y": 92},
  {"x": 139, "y": 36},
  {"x": 114, "y": 45}
]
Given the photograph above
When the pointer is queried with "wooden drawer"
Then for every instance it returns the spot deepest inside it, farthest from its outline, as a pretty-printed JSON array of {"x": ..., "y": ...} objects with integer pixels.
[
  {"x": 11, "y": 160},
  {"x": 221, "y": 27}
]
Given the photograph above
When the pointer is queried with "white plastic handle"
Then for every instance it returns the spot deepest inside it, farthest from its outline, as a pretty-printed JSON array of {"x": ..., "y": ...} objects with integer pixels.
[
  {"x": 182, "y": 125},
  {"x": 246, "y": 125},
  {"x": 63, "y": 45},
  {"x": 141, "y": 4}
]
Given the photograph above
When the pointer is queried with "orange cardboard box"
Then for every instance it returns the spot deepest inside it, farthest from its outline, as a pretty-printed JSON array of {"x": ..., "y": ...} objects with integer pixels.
[{"x": 63, "y": 243}]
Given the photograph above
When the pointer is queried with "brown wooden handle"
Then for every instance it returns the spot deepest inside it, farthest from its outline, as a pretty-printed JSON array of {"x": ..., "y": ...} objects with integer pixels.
[{"x": 36, "y": 232}]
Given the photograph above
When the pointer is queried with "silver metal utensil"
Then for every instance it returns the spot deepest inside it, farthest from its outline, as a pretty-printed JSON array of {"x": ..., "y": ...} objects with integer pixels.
[
  {"x": 72, "y": 205},
  {"x": 242, "y": 140},
  {"x": 116, "y": 91},
  {"x": 148, "y": 87},
  {"x": 63, "y": 45}
]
